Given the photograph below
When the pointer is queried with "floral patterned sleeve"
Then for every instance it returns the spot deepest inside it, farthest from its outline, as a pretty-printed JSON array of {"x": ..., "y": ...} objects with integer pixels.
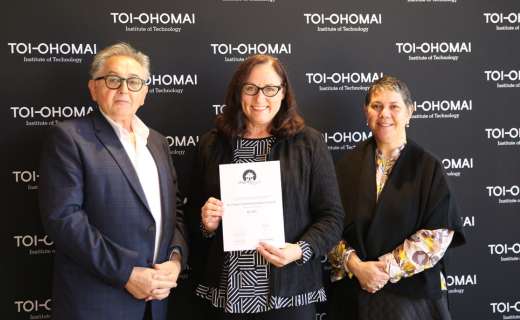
[
  {"x": 337, "y": 258},
  {"x": 419, "y": 252}
]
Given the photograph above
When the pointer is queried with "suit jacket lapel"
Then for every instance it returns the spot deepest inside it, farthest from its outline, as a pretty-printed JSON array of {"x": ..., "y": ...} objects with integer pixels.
[
  {"x": 108, "y": 138},
  {"x": 164, "y": 172}
]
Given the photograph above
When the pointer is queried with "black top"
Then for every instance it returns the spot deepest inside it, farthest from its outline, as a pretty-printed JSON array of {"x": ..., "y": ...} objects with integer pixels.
[
  {"x": 311, "y": 205},
  {"x": 416, "y": 196},
  {"x": 244, "y": 283}
]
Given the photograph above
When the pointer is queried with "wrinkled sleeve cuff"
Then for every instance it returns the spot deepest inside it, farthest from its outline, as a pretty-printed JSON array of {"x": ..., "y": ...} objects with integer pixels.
[{"x": 307, "y": 252}]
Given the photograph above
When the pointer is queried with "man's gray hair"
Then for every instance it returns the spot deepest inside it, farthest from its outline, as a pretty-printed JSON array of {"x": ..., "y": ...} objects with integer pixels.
[{"x": 119, "y": 49}]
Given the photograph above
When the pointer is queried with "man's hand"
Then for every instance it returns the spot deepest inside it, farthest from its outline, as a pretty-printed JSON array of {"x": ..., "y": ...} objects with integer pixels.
[
  {"x": 166, "y": 271},
  {"x": 143, "y": 281}
]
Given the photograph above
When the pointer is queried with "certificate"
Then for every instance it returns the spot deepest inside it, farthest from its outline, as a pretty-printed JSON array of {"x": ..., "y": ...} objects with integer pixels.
[{"x": 253, "y": 210}]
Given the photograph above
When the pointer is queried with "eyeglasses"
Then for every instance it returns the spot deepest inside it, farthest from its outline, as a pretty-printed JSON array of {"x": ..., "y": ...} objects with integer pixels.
[
  {"x": 114, "y": 82},
  {"x": 268, "y": 91}
]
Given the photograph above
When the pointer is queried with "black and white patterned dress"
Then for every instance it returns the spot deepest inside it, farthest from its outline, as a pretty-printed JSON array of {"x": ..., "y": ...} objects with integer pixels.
[{"x": 244, "y": 281}]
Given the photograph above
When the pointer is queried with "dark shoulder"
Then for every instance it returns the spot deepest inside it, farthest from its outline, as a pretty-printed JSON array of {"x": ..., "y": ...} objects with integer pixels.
[
  {"x": 310, "y": 135},
  {"x": 209, "y": 138},
  {"x": 309, "y": 140},
  {"x": 69, "y": 133},
  {"x": 214, "y": 145},
  {"x": 355, "y": 156},
  {"x": 75, "y": 124},
  {"x": 421, "y": 155},
  {"x": 75, "y": 129}
]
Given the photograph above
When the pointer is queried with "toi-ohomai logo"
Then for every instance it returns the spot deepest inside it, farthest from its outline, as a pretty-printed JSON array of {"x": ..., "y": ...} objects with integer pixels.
[{"x": 249, "y": 176}]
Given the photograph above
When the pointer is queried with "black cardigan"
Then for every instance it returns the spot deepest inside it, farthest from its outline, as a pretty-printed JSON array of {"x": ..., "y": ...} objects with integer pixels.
[
  {"x": 311, "y": 206},
  {"x": 416, "y": 196}
]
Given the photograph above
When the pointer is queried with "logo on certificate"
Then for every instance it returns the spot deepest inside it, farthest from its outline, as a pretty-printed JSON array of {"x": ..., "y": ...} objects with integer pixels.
[{"x": 249, "y": 176}]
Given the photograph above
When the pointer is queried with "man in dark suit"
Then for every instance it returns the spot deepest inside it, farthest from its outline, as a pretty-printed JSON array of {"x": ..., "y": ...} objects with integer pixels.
[{"x": 109, "y": 200}]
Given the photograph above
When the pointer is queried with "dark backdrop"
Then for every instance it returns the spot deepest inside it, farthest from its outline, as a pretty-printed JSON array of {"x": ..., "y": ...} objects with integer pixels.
[{"x": 460, "y": 59}]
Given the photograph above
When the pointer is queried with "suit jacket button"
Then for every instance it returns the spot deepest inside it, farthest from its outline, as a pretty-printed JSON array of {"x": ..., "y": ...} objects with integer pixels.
[{"x": 151, "y": 228}]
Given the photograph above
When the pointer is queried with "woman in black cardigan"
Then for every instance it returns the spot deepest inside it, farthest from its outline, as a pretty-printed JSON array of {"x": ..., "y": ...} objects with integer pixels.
[
  {"x": 260, "y": 123},
  {"x": 400, "y": 219}
]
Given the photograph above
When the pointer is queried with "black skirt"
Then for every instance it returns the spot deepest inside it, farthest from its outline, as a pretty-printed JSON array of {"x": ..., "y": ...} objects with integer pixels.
[
  {"x": 384, "y": 305},
  {"x": 387, "y": 305}
]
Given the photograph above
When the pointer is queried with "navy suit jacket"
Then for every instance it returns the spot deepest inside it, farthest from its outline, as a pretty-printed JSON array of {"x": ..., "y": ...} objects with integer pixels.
[{"x": 95, "y": 210}]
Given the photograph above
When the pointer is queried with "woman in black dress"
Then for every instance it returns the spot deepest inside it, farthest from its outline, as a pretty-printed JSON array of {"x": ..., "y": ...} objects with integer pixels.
[
  {"x": 260, "y": 123},
  {"x": 400, "y": 218}
]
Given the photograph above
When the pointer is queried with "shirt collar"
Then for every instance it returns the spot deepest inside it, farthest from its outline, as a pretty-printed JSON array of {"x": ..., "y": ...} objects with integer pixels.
[
  {"x": 393, "y": 155},
  {"x": 138, "y": 127}
]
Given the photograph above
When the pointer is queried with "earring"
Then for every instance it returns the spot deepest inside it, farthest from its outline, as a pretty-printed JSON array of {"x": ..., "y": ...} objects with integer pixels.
[{"x": 408, "y": 124}]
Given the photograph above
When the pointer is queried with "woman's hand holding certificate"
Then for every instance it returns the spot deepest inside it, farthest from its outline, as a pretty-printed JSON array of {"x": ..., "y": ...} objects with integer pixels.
[{"x": 252, "y": 198}]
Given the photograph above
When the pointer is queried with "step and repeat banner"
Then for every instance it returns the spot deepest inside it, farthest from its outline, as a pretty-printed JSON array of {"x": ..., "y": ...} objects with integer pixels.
[{"x": 459, "y": 57}]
